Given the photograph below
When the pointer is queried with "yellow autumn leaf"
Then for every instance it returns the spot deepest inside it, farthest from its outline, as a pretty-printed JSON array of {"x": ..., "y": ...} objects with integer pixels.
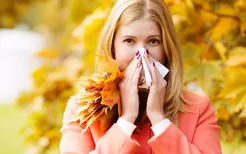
[
  {"x": 191, "y": 53},
  {"x": 243, "y": 113},
  {"x": 236, "y": 60},
  {"x": 190, "y": 4},
  {"x": 49, "y": 54},
  {"x": 221, "y": 49},
  {"x": 240, "y": 102},
  {"x": 222, "y": 27},
  {"x": 207, "y": 17},
  {"x": 99, "y": 93},
  {"x": 204, "y": 4},
  {"x": 223, "y": 114},
  {"x": 87, "y": 33},
  {"x": 237, "y": 51},
  {"x": 106, "y": 64},
  {"x": 7, "y": 21},
  {"x": 204, "y": 74},
  {"x": 226, "y": 9},
  {"x": 39, "y": 75},
  {"x": 234, "y": 83},
  {"x": 110, "y": 94},
  {"x": 179, "y": 9}
]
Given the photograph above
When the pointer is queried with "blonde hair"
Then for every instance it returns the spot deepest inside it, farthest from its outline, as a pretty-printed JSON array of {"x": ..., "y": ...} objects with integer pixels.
[{"x": 127, "y": 11}]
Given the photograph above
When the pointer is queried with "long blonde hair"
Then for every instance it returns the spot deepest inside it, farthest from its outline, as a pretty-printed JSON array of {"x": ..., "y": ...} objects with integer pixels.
[{"x": 127, "y": 11}]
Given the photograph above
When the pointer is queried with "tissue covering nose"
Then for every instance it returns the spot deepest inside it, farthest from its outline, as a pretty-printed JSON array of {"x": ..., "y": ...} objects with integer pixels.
[{"x": 145, "y": 78}]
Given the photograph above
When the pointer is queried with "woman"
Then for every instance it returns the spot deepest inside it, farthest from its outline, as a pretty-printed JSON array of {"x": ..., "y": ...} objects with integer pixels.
[{"x": 178, "y": 121}]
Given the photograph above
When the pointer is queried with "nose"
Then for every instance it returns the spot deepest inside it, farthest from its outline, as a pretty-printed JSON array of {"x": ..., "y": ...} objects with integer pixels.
[{"x": 141, "y": 45}]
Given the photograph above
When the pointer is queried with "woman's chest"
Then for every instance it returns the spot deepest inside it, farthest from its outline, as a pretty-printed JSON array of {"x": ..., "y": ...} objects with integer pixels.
[{"x": 142, "y": 135}]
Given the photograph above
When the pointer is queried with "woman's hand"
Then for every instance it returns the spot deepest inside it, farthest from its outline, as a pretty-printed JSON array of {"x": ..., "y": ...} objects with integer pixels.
[
  {"x": 129, "y": 90},
  {"x": 155, "y": 102}
]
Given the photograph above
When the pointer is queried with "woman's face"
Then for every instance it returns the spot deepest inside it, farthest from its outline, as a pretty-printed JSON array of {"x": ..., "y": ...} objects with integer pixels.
[{"x": 140, "y": 33}]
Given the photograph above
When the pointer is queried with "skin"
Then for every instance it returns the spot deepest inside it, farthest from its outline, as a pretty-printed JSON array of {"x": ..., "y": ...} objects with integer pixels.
[{"x": 128, "y": 39}]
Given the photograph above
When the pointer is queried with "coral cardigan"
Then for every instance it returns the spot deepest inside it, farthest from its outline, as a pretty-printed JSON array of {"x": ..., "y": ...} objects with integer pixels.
[{"x": 197, "y": 133}]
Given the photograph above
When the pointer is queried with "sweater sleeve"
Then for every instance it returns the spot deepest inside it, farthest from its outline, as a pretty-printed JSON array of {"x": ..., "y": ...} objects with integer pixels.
[
  {"x": 206, "y": 138},
  {"x": 74, "y": 142}
]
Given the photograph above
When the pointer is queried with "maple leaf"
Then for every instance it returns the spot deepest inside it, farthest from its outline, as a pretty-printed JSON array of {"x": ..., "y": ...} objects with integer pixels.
[{"x": 99, "y": 95}]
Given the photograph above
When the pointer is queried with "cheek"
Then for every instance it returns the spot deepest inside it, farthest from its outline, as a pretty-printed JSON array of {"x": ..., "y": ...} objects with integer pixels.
[
  {"x": 123, "y": 59},
  {"x": 123, "y": 54},
  {"x": 158, "y": 55}
]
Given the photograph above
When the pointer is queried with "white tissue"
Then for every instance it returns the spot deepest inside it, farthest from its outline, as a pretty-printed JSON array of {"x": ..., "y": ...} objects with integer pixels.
[{"x": 161, "y": 68}]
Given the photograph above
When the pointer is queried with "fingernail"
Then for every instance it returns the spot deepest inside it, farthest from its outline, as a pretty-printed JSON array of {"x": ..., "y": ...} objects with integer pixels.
[
  {"x": 153, "y": 64},
  {"x": 137, "y": 53},
  {"x": 138, "y": 56},
  {"x": 147, "y": 51},
  {"x": 139, "y": 65}
]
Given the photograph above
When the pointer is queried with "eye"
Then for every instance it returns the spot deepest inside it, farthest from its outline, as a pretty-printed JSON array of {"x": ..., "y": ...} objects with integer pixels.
[
  {"x": 129, "y": 41},
  {"x": 154, "y": 41}
]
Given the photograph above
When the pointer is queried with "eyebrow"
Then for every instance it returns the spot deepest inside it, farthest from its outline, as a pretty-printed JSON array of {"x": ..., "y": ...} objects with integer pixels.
[
  {"x": 127, "y": 36},
  {"x": 154, "y": 36}
]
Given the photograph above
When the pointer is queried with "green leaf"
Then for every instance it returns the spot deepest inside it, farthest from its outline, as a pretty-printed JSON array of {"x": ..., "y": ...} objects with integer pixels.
[
  {"x": 204, "y": 73},
  {"x": 191, "y": 53}
]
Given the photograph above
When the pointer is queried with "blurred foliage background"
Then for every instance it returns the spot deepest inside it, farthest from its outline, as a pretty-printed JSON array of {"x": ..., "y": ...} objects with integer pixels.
[{"x": 213, "y": 38}]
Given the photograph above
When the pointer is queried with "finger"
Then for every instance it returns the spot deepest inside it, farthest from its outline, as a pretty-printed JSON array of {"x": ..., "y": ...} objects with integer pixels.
[
  {"x": 154, "y": 73},
  {"x": 156, "y": 77},
  {"x": 136, "y": 65},
  {"x": 158, "y": 74},
  {"x": 137, "y": 74},
  {"x": 129, "y": 71},
  {"x": 147, "y": 59},
  {"x": 129, "y": 68}
]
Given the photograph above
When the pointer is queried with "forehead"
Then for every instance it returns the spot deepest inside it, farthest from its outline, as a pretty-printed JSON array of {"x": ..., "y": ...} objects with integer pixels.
[{"x": 141, "y": 26}]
